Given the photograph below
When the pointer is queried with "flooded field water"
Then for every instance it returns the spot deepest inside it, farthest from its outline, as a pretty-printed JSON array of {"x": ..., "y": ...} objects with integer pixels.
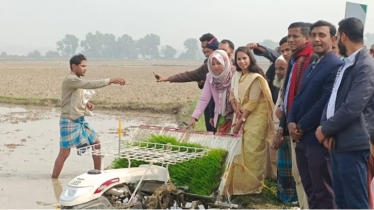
[{"x": 29, "y": 145}]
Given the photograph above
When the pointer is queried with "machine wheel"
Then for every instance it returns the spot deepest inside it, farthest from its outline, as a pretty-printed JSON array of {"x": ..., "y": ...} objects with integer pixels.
[{"x": 100, "y": 203}]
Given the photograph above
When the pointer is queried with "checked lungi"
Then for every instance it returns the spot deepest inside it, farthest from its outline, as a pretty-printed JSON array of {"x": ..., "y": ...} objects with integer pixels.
[
  {"x": 286, "y": 186},
  {"x": 75, "y": 133}
]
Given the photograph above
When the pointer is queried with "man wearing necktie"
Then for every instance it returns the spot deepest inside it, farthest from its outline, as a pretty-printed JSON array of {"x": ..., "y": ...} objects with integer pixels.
[{"x": 305, "y": 115}]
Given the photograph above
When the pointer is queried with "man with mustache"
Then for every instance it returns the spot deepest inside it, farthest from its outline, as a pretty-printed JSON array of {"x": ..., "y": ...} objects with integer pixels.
[
  {"x": 302, "y": 56},
  {"x": 280, "y": 71},
  {"x": 285, "y": 52},
  {"x": 346, "y": 126},
  {"x": 286, "y": 187},
  {"x": 304, "y": 117},
  {"x": 285, "y": 147}
]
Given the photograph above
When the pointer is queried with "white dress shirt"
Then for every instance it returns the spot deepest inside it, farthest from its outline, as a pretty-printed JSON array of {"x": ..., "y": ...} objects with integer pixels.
[{"x": 349, "y": 61}]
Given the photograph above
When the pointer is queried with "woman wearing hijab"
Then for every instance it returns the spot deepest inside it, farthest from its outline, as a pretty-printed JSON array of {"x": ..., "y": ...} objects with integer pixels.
[
  {"x": 217, "y": 85},
  {"x": 251, "y": 94}
]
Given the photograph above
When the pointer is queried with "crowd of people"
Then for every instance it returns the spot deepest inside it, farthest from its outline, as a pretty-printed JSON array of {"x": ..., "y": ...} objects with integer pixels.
[{"x": 305, "y": 123}]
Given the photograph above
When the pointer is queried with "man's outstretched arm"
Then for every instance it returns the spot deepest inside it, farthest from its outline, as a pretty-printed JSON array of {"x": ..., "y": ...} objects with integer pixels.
[
  {"x": 196, "y": 75},
  {"x": 260, "y": 50}
]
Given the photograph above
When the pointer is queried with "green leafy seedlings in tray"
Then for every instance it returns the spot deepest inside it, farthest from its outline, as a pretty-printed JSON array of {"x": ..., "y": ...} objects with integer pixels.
[{"x": 201, "y": 175}]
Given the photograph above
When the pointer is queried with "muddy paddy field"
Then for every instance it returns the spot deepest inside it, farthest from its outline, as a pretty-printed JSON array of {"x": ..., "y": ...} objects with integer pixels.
[
  {"x": 30, "y": 142},
  {"x": 29, "y": 117}
]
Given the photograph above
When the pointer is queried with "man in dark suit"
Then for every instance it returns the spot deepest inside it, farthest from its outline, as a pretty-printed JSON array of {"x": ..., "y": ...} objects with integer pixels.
[
  {"x": 304, "y": 118},
  {"x": 371, "y": 159},
  {"x": 347, "y": 120}
]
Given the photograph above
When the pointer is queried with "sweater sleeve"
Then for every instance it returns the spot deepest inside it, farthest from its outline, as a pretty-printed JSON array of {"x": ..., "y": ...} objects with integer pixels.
[
  {"x": 196, "y": 75},
  {"x": 203, "y": 102},
  {"x": 270, "y": 54},
  {"x": 78, "y": 83}
]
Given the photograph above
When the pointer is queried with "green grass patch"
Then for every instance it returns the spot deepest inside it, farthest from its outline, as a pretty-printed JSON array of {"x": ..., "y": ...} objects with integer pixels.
[
  {"x": 160, "y": 107},
  {"x": 30, "y": 101},
  {"x": 267, "y": 199},
  {"x": 184, "y": 115},
  {"x": 201, "y": 175}
]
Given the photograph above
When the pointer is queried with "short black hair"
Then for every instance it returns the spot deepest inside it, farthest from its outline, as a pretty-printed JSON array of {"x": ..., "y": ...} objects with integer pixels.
[
  {"x": 226, "y": 41},
  {"x": 353, "y": 28},
  {"x": 304, "y": 27},
  {"x": 77, "y": 59},
  {"x": 206, "y": 37},
  {"x": 283, "y": 40},
  {"x": 324, "y": 23},
  {"x": 309, "y": 25}
]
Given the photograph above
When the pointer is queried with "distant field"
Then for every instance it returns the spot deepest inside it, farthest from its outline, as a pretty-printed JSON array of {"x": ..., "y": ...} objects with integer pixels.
[{"x": 42, "y": 80}]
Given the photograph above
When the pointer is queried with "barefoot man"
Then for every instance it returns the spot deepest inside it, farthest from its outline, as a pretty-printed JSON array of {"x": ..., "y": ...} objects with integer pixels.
[{"x": 74, "y": 130}]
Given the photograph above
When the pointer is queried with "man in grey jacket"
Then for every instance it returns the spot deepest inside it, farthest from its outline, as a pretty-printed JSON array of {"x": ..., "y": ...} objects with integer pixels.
[{"x": 345, "y": 127}]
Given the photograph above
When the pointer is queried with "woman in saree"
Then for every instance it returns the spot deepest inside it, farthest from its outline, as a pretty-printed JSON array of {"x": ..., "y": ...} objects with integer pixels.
[
  {"x": 252, "y": 101},
  {"x": 218, "y": 85}
]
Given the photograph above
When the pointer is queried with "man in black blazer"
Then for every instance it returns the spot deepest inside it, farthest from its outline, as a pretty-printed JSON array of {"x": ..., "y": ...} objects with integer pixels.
[
  {"x": 304, "y": 118},
  {"x": 347, "y": 120}
]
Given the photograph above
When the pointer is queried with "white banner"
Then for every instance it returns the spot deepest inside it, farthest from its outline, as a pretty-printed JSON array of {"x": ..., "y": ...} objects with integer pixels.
[{"x": 356, "y": 10}]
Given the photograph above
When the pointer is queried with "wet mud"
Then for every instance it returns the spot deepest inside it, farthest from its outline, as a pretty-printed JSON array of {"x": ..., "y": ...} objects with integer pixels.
[{"x": 30, "y": 143}]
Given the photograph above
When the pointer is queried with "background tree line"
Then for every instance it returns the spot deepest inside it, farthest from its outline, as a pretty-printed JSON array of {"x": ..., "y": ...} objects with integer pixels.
[
  {"x": 105, "y": 45},
  {"x": 100, "y": 45}
]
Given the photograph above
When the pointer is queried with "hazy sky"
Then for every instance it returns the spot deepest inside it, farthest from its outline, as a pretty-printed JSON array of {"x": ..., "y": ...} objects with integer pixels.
[{"x": 38, "y": 24}]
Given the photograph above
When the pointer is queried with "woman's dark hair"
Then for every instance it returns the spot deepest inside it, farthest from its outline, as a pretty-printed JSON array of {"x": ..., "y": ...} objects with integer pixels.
[{"x": 253, "y": 67}]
